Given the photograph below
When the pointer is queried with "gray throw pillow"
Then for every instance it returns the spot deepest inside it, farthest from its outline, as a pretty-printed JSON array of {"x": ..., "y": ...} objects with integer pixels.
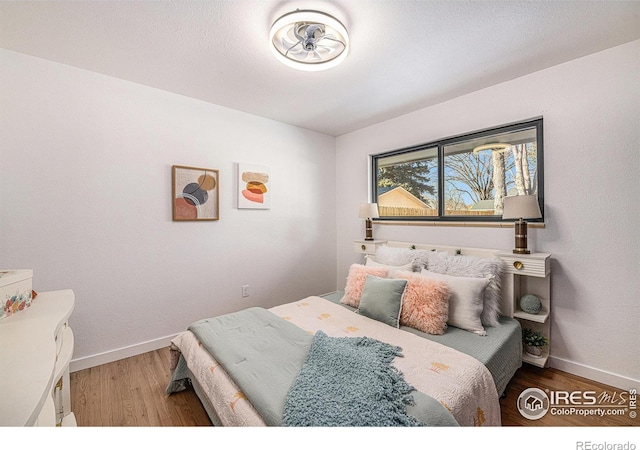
[{"x": 382, "y": 299}]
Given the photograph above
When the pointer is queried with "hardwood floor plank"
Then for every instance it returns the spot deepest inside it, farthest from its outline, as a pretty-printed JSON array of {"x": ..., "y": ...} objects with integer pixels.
[
  {"x": 144, "y": 394},
  {"x": 131, "y": 393},
  {"x": 128, "y": 402}
]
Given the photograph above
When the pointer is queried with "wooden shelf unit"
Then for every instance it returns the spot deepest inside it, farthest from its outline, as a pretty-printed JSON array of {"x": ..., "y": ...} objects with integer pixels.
[{"x": 532, "y": 275}]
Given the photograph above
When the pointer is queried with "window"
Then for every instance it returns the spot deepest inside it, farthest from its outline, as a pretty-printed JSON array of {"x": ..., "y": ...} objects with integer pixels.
[{"x": 462, "y": 178}]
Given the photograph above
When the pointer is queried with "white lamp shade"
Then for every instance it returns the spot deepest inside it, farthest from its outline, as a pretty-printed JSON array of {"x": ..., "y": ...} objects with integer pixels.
[
  {"x": 368, "y": 211},
  {"x": 521, "y": 206}
]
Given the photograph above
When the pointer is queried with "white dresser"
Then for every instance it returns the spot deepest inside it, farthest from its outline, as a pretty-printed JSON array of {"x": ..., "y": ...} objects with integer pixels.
[{"x": 36, "y": 346}]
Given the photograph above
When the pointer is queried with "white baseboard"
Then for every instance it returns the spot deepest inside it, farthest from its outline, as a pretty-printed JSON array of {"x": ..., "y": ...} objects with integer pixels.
[
  {"x": 120, "y": 353},
  {"x": 601, "y": 376}
]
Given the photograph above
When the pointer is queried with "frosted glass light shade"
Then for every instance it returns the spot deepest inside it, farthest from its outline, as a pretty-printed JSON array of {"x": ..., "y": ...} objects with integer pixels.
[{"x": 309, "y": 40}]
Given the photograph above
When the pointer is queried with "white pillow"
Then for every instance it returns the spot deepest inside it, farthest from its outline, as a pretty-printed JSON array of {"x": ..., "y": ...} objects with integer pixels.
[
  {"x": 400, "y": 256},
  {"x": 438, "y": 262},
  {"x": 420, "y": 259},
  {"x": 371, "y": 262},
  {"x": 394, "y": 256},
  {"x": 466, "y": 301},
  {"x": 474, "y": 267}
]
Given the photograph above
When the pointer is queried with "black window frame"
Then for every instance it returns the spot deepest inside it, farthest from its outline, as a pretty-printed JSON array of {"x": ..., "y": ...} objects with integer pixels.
[{"x": 536, "y": 123}]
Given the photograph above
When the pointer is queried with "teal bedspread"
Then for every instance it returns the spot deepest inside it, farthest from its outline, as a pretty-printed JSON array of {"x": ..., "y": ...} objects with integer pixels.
[
  {"x": 264, "y": 354},
  {"x": 260, "y": 351},
  {"x": 500, "y": 350}
]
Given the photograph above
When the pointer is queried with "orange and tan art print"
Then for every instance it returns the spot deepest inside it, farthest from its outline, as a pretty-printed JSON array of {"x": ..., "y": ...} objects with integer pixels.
[{"x": 253, "y": 186}]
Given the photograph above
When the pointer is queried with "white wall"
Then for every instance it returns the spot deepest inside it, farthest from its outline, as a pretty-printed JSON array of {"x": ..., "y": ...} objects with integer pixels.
[
  {"x": 85, "y": 173},
  {"x": 85, "y": 201},
  {"x": 591, "y": 110}
]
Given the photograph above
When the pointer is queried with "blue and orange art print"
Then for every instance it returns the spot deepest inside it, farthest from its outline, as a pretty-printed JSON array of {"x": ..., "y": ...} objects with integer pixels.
[{"x": 195, "y": 193}]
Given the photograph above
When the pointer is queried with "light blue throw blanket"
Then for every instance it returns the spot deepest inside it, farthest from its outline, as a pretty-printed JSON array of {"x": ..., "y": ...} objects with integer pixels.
[{"x": 349, "y": 381}]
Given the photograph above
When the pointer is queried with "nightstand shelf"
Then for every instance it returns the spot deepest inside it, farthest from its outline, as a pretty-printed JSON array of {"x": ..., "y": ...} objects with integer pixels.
[
  {"x": 539, "y": 362},
  {"x": 368, "y": 247},
  {"x": 541, "y": 317},
  {"x": 531, "y": 275}
]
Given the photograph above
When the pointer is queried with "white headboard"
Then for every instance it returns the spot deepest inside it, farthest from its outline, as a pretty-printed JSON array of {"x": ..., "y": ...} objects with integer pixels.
[{"x": 506, "y": 304}]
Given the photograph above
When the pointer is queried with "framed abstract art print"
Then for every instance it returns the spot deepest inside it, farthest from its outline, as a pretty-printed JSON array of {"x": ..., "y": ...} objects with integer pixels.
[{"x": 195, "y": 193}]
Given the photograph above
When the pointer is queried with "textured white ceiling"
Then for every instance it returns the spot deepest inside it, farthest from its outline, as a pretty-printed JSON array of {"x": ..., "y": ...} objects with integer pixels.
[{"x": 405, "y": 55}]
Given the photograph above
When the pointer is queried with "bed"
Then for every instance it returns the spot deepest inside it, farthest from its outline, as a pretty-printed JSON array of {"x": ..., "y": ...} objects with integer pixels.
[{"x": 453, "y": 358}]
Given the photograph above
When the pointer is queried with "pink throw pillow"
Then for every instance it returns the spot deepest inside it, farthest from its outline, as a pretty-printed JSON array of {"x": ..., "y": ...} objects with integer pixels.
[
  {"x": 355, "y": 282},
  {"x": 425, "y": 305}
]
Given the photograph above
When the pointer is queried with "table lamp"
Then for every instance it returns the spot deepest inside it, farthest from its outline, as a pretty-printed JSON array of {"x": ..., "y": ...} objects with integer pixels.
[
  {"x": 368, "y": 211},
  {"x": 521, "y": 207}
]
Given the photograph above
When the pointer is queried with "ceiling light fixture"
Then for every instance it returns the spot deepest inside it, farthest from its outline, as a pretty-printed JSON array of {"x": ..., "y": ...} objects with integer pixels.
[
  {"x": 309, "y": 40},
  {"x": 497, "y": 147}
]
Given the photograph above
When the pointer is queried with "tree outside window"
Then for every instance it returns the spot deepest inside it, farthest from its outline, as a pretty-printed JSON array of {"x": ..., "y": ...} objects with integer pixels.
[{"x": 460, "y": 178}]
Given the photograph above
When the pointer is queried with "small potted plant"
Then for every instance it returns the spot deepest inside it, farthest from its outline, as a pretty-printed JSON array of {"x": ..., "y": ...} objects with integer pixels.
[{"x": 534, "y": 342}]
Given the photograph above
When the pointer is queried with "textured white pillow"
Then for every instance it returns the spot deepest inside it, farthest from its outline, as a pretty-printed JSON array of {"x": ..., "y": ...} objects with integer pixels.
[
  {"x": 394, "y": 256},
  {"x": 397, "y": 256},
  {"x": 371, "y": 262},
  {"x": 421, "y": 259},
  {"x": 471, "y": 266},
  {"x": 438, "y": 262},
  {"x": 466, "y": 300}
]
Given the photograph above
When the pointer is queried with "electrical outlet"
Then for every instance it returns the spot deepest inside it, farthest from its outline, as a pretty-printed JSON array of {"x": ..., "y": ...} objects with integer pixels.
[{"x": 245, "y": 290}]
